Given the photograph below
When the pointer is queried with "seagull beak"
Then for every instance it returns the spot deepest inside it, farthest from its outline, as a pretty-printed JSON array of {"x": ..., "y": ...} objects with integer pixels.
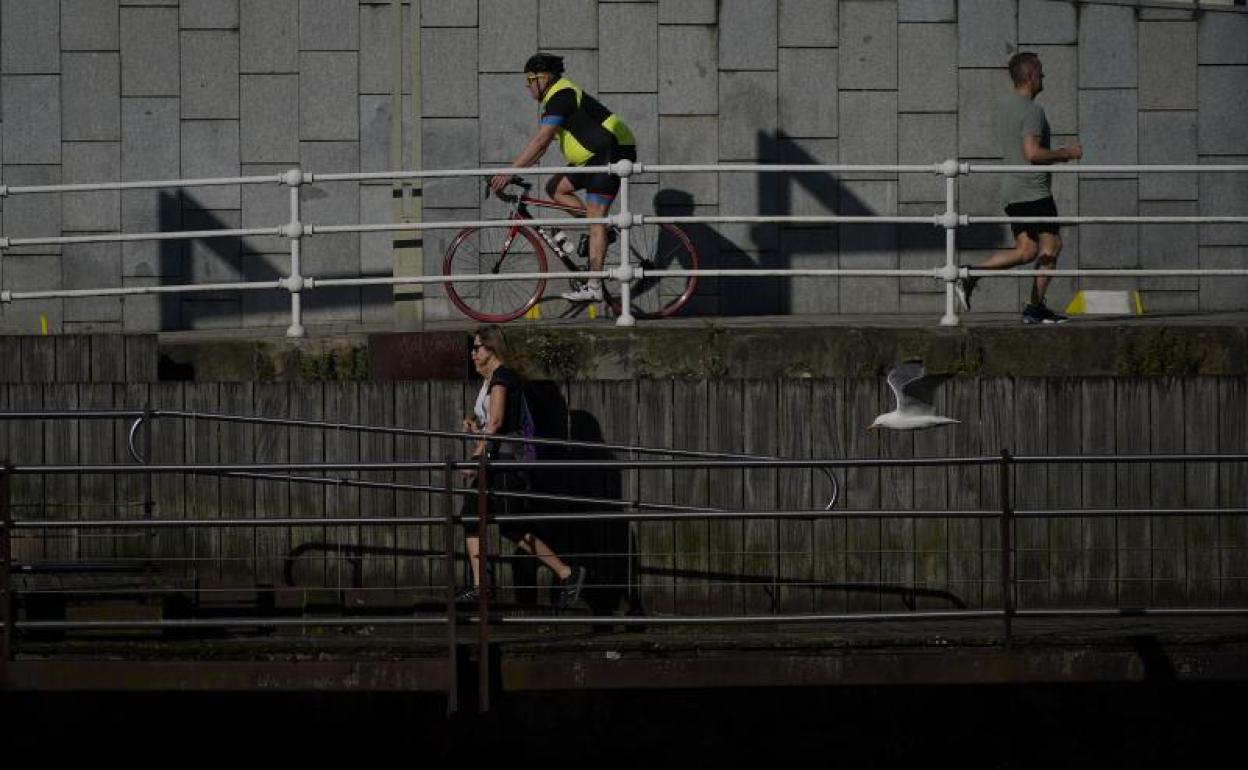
[{"x": 871, "y": 428}]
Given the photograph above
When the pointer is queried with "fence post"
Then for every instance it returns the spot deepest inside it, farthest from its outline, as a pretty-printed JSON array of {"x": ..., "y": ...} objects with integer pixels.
[
  {"x": 294, "y": 230},
  {"x": 1007, "y": 517},
  {"x": 483, "y": 592},
  {"x": 624, "y": 169},
  {"x": 950, "y": 169},
  {"x": 452, "y": 665},
  {"x": 6, "y": 574}
]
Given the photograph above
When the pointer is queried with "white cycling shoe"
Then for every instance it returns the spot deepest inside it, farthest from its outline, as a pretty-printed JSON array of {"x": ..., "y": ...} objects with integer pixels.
[{"x": 586, "y": 293}]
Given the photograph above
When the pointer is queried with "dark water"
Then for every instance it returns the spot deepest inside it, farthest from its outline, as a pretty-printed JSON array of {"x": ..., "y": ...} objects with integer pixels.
[{"x": 1173, "y": 725}]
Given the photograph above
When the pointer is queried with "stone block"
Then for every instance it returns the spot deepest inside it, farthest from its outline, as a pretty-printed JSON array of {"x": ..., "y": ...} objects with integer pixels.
[
  {"x": 210, "y": 149},
  {"x": 172, "y": 3},
  {"x": 92, "y": 266},
  {"x": 210, "y": 259},
  {"x": 581, "y": 66},
  {"x": 1223, "y": 110},
  {"x": 980, "y": 195},
  {"x": 688, "y": 11},
  {"x": 987, "y": 32},
  {"x": 747, "y": 34},
  {"x": 508, "y": 118},
  {"x": 1155, "y": 302},
  {"x": 377, "y": 249},
  {"x": 869, "y": 246},
  {"x": 689, "y": 140},
  {"x": 30, "y": 37},
  {"x": 85, "y": 162},
  {"x": 809, "y": 23},
  {"x": 149, "y": 52},
  {"x": 925, "y": 138},
  {"x": 266, "y": 206},
  {"x": 1222, "y": 194},
  {"x": 329, "y": 25},
  {"x": 265, "y": 308},
  {"x": 209, "y": 14},
  {"x": 269, "y": 124},
  {"x": 807, "y": 194},
  {"x": 1223, "y": 38},
  {"x": 1108, "y": 47},
  {"x": 567, "y": 24},
  {"x": 210, "y": 74},
  {"x": 869, "y": 129},
  {"x": 688, "y": 73},
  {"x": 328, "y": 106},
  {"x": 90, "y": 97},
  {"x": 152, "y": 211},
  {"x": 35, "y": 272},
  {"x": 199, "y": 314},
  {"x": 927, "y": 10},
  {"x": 1223, "y": 293},
  {"x": 1167, "y": 67},
  {"x": 150, "y": 313},
  {"x": 375, "y": 112},
  {"x": 640, "y": 112},
  {"x": 747, "y": 114},
  {"x": 448, "y": 72},
  {"x": 868, "y": 47},
  {"x": 1108, "y": 126},
  {"x": 269, "y": 36},
  {"x": 1169, "y": 247},
  {"x": 816, "y": 249},
  {"x": 375, "y": 27},
  {"x": 745, "y": 195},
  {"x": 32, "y": 126},
  {"x": 928, "y": 77},
  {"x": 1047, "y": 22},
  {"x": 333, "y": 255},
  {"x": 150, "y": 138},
  {"x": 32, "y": 216},
  {"x": 90, "y": 25},
  {"x": 920, "y": 247},
  {"x": 807, "y": 111},
  {"x": 1168, "y": 138},
  {"x": 1060, "y": 98},
  {"x": 451, "y": 143},
  {"x": 449, "y": 13},
  {"x": 1108, "y": 246},
  {"x": 629, "y": 40},
  {"x": 508, "y": 31}
]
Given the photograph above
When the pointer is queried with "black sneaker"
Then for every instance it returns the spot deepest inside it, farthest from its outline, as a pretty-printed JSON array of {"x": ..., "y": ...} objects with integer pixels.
[
  {"x": 964, "y": 288},
  {"x": 572, "y": 588},
  {"x": 1040, "y": 314}
]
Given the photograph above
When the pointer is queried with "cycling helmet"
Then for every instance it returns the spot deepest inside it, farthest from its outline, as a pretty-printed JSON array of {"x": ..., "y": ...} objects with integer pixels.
[{"x": 544, "y": 62}]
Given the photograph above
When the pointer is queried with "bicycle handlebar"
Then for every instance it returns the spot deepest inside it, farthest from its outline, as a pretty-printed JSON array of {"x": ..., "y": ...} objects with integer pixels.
[{"x": 502, "y": 195}]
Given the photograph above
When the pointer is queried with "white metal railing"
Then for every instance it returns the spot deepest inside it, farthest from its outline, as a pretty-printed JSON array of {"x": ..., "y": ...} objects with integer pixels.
[{"x": 295, "y": 229}]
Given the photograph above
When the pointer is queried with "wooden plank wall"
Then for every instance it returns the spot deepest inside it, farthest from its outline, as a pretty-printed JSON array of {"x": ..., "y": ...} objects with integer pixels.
[{"x": 758, "y": 565}]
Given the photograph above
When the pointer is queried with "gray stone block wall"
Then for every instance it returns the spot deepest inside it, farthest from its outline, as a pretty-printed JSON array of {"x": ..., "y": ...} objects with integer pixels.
[{"x": 157, "y": 89}]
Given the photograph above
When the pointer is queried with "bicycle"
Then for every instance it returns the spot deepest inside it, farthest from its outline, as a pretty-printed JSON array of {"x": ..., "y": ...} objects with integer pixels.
[{"x": 522, "y": 249}]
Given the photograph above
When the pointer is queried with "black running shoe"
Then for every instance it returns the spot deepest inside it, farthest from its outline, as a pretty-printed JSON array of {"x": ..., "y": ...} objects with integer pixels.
[
  {"x": 964, "y": 288},
  {"x": 1040, "y": 314},
  {"x": 470, "y": 595},
  {"x": 572, "y": 588}
]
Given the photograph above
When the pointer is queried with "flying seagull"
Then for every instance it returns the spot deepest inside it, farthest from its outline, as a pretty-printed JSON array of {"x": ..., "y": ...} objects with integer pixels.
[{"x": 913, "y": 389}]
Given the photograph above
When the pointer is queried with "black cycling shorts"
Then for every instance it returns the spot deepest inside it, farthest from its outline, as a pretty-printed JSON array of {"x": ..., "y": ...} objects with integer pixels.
[
  {"x": 1045, "y": 207},
  {"x": 601, "y": 188}
]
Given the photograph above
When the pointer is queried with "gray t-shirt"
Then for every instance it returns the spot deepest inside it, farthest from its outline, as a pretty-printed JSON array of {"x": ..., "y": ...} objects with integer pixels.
[{"x": 1021, "y": 117}]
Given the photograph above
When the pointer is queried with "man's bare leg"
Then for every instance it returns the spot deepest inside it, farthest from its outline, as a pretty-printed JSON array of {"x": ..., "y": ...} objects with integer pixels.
[
  {"x": 1050, "y": 250},
  {"x": 533, "y": 544}
]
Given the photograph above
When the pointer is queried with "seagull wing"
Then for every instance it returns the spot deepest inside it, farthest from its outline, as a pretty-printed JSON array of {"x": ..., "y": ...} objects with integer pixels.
[
  {"x": 922, "y": 390},
  {"x": 900, "y": 378}
]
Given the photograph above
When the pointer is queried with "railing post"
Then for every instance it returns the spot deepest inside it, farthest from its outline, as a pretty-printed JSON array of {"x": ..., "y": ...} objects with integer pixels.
[
  {"x": 452, "y": 665},
  {"x": 1007, "y": 518},
  {"x": 483, "y": 592},
  {"x": 294, "y": 230},
  {"x": 6, "y": 574},
  {"x": 625, "y": 169},
  {"x": 950, "y": 169}
]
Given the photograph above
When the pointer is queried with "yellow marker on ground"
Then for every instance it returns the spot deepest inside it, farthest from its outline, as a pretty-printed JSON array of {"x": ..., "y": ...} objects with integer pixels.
[
  {"x": 1092, "y": 302},
  {"x": 534, "y": 313},
  {"x": 43, "y": 324},
  {"x": 593, "y": 310}
]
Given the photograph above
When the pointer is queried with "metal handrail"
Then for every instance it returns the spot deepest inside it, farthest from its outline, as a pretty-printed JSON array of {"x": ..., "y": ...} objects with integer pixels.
[{"x": 295, "y": 229}]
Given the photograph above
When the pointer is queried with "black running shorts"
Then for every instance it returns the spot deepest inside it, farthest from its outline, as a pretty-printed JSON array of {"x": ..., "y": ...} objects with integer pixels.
[{"x": 1045, "y": 207}]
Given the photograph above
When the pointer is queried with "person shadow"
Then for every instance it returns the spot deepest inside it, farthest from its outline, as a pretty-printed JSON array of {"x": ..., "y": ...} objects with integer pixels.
[{"x": 603, "y": 546}]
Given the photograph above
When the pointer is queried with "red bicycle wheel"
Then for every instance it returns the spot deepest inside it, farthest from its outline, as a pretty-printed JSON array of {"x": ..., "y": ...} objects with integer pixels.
[
  {"x": 655, "y": 247},
  {"x": 479, "y": 251}
]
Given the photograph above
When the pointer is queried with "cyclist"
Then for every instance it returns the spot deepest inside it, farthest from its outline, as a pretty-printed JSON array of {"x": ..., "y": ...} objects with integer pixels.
[{"x": 589, "y": 135}]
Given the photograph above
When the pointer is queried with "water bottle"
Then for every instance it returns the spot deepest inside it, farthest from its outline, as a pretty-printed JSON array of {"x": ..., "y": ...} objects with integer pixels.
[{"x": 561, "y": 240}]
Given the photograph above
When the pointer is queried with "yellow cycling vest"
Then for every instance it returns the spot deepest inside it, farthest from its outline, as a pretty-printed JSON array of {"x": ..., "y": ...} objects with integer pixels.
[{"x": 576, "y": 152}]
